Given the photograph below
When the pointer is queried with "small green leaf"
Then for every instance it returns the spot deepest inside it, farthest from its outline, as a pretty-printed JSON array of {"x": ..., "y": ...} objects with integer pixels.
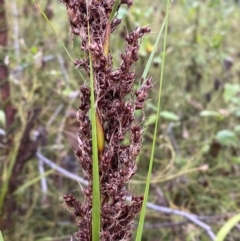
[
  {"x": 227, "y": 138},
  {"x": 230, "y": 90},
  {"x": 205, "y": 149},
  {"x": 206, "y": 113},
  {"x": 34, "y": 49},
  {"x": 2, "y": 118},
  {"x": 226, "y": 228},
  {"x": 151, "y": 120},
  {"x": 169, "y": 115}
]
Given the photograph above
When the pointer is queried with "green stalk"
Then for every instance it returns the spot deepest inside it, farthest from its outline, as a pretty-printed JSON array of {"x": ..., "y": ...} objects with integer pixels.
[
  {"x": 1, "y": 237},
  {"x": 150, "y": 59},
  {"x": 7, "y": 172},
  {"x": 143, "y": 211},
  {"x": 114, "y": 10},
  {"x": 97, "y": 135},
  {"x": 226, "y": 228},
  {"x": 94, "y": 118},
  {"x": 96, "y": 189}
]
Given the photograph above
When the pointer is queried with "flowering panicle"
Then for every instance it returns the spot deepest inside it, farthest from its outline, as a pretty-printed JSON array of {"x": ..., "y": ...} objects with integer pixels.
[{"x": 115, "y": 107}]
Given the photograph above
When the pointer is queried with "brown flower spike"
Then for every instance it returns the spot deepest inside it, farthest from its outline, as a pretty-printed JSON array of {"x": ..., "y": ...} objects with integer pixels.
[{"x": 120, "y": 133}]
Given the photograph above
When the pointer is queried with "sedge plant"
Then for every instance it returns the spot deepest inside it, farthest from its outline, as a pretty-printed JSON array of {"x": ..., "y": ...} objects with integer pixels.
[{"x": 109, "y": 139}]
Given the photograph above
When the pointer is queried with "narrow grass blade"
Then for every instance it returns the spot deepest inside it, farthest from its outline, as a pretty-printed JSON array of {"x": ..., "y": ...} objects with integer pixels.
[
  {"x": 59, "y": 39},
  {"x": 7, "y": 170},
  {"x": 150, "y": 59},
  {"x": 32, "y": 182},
  {"x": 113, "y": 11},
  {"x": 96, "y": 188},
  {"x": 1, "y": 237},
  {"x": 143, "y": 211},
  {"x": 226, "y": 228}
]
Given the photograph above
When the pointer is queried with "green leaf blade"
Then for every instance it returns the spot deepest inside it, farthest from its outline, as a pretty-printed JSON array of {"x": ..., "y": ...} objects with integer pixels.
[
  {"x": 227, "y": 138},
  {"x": 1, "y": 237},
  {"x": 147, "y": 187},
  {"x": 169, "y": 115},
  {"x": 96, "y": 207},
  {"x": 226, "y": 228},
  {"x": 230, "y": 90}
]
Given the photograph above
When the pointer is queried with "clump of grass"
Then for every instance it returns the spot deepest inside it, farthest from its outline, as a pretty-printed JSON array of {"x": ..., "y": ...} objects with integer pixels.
[{"x": 110, "y": 140}]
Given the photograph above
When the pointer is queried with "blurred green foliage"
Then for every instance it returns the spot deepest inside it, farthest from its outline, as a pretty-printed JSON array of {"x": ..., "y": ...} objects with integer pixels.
[{"x": 197, "y": 155}]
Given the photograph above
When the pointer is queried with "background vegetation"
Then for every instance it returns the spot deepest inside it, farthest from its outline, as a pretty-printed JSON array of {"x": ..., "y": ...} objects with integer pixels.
[{"x": 197, "y": 159}]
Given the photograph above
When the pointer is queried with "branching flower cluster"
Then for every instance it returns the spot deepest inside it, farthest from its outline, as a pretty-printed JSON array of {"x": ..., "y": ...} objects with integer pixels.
[{"x": 115, "y": 104}]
